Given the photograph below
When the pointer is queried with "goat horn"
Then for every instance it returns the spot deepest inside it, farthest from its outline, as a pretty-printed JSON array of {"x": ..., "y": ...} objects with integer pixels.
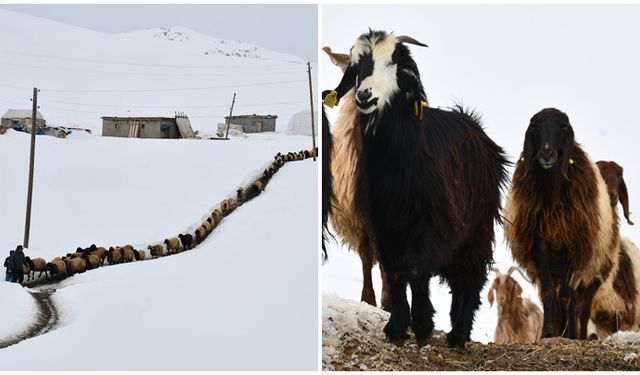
[
  {"x": 410, "y": 40},
  {"x": 514, "y": 268}
]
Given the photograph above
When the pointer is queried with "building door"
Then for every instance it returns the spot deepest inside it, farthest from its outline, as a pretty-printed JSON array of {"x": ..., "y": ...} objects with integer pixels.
[{"x": 259, "y": 126}]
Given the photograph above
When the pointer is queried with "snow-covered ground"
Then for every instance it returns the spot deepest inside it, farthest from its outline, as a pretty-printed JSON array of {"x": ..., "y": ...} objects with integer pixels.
[
  {"x": 508, "y": 62},
  {"x": 243, "y": 300},
  {"x": 84, "y": 74}
]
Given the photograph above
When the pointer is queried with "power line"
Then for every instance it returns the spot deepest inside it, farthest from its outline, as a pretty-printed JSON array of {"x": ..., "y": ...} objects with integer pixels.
[
  {"x": 178, "y": 89},
  {"x": 164, "y": 106}
]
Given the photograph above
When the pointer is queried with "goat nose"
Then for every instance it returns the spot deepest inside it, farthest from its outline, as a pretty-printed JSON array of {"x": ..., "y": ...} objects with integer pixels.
[{"x": 364, "y": 95}]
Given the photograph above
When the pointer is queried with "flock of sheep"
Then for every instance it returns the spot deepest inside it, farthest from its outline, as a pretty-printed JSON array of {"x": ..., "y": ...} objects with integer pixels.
[
  {"x": 560, "y": 219},
  {"x": 84, "y": 259}
]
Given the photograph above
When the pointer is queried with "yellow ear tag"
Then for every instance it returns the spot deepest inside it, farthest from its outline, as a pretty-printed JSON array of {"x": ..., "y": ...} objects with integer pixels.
[
  {"x": 331, "y": 100},
  {"x": 522, "y": 159},
  {"x": 418, "y": 108},
  {"x": 570, "y": 161}
]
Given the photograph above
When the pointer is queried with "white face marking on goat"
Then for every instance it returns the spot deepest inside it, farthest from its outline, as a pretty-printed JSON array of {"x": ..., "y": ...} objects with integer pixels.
[{"x": 377, "y": 78}]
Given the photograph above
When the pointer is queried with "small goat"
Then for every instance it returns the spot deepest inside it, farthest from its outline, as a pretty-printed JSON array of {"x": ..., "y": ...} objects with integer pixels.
[{"x": 519, "y": 319}]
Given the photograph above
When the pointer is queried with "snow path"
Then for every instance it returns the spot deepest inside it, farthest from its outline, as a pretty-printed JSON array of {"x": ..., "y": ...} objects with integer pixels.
[
  {"x": 46, "y": 321},
  {"x": 47, "y": 315}
]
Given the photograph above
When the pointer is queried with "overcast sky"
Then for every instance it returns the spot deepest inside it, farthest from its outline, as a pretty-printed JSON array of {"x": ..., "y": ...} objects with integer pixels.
[{"x": 283, "y": 28}]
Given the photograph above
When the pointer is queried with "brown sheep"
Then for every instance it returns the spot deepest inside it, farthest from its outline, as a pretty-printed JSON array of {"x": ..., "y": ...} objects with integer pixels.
[
  {"x": 227, "y": 206},
  {"x": 612, "y": 174},
  {"x": 156, "y": 250},
  {"x": 101, "y": 252},
  {"x": 519, "y": 319},
  {"x": 75, "y": 265},
  {"x": 57, "y": 268},
  {"x": 139, "y": 254},
  {"x": 114, "y": 255},
  {"x": 347, "y": 147},
  {"x": 127, "y": 253},
  {"x": 201, "y": 234},
  {"x": 559, "y": 223},
  {"x": 37, "y": 265},
  {"x": 173, "y": 244},
  {"x": 92, "y": 260}
]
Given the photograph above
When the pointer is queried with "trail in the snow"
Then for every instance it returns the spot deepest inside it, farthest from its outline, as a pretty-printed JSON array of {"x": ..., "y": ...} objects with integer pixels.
[{"x": 46, "y": 321}]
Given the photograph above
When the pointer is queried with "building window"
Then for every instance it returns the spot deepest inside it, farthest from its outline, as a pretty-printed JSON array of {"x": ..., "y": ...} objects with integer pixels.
[
  {"x": 142, "y": 126},
  {"x": 117, "y": 126}
]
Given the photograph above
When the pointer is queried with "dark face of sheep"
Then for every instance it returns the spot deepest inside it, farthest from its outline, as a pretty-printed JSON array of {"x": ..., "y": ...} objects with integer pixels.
[
  {"x": 381, "y": 68},
  {"x": 612, "y": 172},
  {"x": 549, "y": 139}
]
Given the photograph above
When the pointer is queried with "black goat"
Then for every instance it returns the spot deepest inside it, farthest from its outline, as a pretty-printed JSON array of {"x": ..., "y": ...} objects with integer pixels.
[{"x": 429, "y": 187}]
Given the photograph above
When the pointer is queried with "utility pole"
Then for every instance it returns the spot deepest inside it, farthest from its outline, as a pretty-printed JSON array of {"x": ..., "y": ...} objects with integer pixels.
[
  {"x": 34, "y": 124},
  {"x": 226, "y": 135},
  {"x": 313, "y": 128}
]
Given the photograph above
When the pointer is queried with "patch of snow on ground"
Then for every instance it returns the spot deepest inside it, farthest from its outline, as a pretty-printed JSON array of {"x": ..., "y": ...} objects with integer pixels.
[{"x": 18, "y": 309}]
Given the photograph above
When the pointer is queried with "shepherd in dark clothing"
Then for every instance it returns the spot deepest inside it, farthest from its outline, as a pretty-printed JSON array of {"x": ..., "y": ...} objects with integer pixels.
[
  {"x": 16, "y": 260},
  {"x": 7, "y": 275}
]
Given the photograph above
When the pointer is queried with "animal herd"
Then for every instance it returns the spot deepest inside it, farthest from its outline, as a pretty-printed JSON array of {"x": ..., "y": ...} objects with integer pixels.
[
  {"x": 85, "y": 259},
  {"x": 418, "y": 190}
]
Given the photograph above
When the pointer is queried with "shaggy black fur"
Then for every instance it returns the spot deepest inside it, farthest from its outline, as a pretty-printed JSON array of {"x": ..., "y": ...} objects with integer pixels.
[
  {"x": 186, "y": 240},
  {"x": 327, "y": 191},
  {"x": 430, "y": 189}
]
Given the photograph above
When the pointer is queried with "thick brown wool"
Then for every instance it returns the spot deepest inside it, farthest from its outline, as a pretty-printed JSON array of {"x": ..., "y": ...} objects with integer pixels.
[{"x": 578, "y": 218}]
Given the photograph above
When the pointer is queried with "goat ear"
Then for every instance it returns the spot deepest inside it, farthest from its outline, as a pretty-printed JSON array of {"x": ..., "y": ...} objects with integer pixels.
[
  {"x": 567, "y": 150},
  {"x": 331, "y": 98},
  {"x": 623, "y": 196},
  {"x": 528, "y": 149},
  {"x": 340, "y": 60},
  {"x": 491, "y": 296},
  {"x": 518, "y": 290}
]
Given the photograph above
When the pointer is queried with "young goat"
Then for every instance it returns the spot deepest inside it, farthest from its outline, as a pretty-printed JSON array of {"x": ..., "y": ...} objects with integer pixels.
[
  {"x": 428, "y": 186},
  {"x": 519, "y": 319}
]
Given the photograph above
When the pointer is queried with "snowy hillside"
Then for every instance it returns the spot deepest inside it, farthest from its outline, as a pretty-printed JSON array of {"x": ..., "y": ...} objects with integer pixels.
[
  {"x": 244, "y": 299},
  {"x": 507, "y": 63},
  {"x": 83, "y": 74}
]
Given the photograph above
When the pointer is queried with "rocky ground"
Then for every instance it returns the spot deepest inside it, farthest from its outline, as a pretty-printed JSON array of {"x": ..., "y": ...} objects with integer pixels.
[{"x": 352, "y": 339}]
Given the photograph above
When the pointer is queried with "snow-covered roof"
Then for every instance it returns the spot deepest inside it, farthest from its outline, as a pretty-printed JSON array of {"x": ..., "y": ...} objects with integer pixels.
[{"x": 21, "y": 113}]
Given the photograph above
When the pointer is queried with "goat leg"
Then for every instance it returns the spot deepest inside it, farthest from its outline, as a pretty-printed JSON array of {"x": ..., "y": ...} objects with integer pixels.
[
  {"x": 396, "y": 328},
  {"x": 368, "y": 295},
  {"x": 421, "y": 307},
  {"x": 540, "y": 259},
  {"x": 586, "y": 300}
]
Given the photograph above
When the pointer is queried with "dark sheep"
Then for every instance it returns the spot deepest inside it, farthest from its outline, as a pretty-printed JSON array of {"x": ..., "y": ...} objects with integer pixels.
[
  {"x": 560, "y": 224},
  {"x": 187, "y": 241}
]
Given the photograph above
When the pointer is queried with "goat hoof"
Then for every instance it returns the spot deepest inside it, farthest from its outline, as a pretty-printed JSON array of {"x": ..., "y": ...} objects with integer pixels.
[
  {"x": 454, "y": 340},
  {"x": 386, "y": 305},
  {"x": 396, "y": 335},
  {"x": 368, "y": 297},
  {"x": 422, "y": 341}
]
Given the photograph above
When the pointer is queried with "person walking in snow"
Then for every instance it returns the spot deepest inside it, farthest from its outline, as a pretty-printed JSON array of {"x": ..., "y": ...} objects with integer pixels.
[
  {"x": 16, "y": 260},
  {"x": 7, "y": 275}
]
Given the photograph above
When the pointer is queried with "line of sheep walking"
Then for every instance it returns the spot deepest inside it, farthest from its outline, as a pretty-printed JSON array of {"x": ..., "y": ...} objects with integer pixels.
[
  {"x": 417, "y": 189},
  {"x": 84, "y": 259}
]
